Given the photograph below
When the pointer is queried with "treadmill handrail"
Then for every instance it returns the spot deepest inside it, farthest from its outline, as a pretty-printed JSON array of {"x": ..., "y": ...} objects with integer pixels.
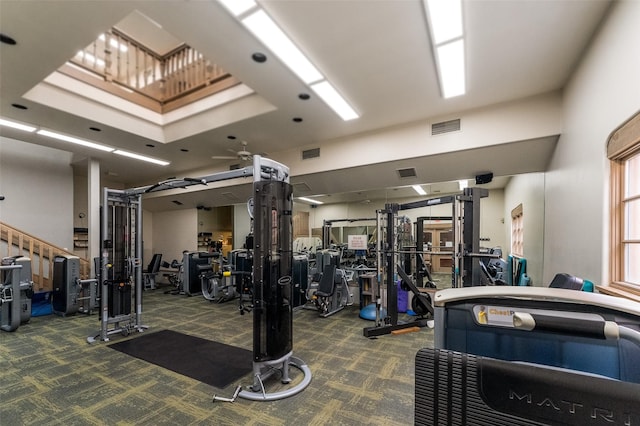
[{"x": 449, "y": 295}]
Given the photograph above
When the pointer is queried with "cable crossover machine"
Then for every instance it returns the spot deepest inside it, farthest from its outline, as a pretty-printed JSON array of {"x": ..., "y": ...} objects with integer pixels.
[
  {"x": 394, "y": 257},
  {"x": 271, "y": 210}
]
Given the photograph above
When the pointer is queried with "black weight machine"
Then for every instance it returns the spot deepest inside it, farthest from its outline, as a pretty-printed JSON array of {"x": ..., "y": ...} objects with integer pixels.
[
  {"x": 395, "y": 261},
  {"x": 271, "y": 210},
  {"x": 121, "y": 271}
]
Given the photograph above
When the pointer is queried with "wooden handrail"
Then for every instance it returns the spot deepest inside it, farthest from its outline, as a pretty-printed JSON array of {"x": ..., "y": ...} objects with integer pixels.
[
  {"x": 41, "y": 254},
  {"x": 118, "y": 59}
]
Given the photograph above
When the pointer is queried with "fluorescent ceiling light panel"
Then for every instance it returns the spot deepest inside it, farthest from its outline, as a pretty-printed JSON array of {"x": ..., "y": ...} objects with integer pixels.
[
  {"x": 419, "y": 190},
  {"x": 238, "y": 7},
  {"x": 451, "y": 65},
  {"x": 309, "y": 200},
  {"x": 267, "y": 31},
  {"x": 330, "y": 95},
  {"x": 18, "y": 126},
  {"x": 445, "y": 17},
  {"x": 141, "y": 157},
  {"x": 74, "y": 140}
]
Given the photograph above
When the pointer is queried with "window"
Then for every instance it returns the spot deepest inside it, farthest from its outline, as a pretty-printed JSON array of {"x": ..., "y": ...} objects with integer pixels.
[
  {"x": 517, "y": 231},
  {"x": 623, "y": 150},
  {"x": 631, "y": 208}
]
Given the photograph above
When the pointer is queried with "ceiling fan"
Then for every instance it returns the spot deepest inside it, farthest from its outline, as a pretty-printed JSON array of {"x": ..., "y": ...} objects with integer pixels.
[{"x": 243, "y": 154}]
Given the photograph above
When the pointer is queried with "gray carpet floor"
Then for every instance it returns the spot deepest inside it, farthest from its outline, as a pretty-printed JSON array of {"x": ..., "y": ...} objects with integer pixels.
[{"x": 50, "y": 375}]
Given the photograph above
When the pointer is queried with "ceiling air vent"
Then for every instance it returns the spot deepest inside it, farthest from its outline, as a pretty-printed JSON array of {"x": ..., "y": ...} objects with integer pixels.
[
  {"x": 234, "y": 167},
  {"x": 300, "y": 187},
  {"x": 445, "y": 127},
  {"x": 407, "y": 173},
  {"x": 311, "y": 153}
]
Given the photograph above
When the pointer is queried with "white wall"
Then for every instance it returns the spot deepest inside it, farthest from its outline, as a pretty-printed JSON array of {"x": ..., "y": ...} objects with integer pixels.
[
  {"x": 37, "y": 183},
  {"x": 241, "y": 225},
  {"x": 602, "y": 93},
  {"x": 528, "y": 190},
  {"x": 175, "y": 231},
  {"x": 148, "y": 249}
]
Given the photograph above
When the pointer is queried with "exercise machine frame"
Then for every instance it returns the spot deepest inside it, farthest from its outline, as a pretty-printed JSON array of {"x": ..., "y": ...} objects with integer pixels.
[
  {"x": 466, "y": 251},
  {"x": 272, "y": 270}
]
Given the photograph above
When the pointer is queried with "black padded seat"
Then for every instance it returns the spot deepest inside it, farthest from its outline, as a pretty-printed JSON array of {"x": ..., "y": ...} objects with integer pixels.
[{"x": 327, "y": 286}]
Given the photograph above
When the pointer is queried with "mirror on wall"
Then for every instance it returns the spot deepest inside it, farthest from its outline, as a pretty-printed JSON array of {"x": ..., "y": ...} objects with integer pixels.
[
  {"x": 215, "y": 229},
  {"x": 526, "y": 190}
]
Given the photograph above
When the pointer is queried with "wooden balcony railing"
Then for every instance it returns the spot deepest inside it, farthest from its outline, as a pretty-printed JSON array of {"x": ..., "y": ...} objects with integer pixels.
[
  {"x": 14, "y": 242},
  {"x": 163, "y": 79}
]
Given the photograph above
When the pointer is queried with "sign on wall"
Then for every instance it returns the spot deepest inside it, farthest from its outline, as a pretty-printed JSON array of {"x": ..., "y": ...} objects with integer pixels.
[{"x": 357, "y": 242}]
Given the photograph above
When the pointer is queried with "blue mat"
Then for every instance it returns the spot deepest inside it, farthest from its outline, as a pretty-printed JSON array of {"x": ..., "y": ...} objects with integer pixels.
[{"x": 41, "y": 304}]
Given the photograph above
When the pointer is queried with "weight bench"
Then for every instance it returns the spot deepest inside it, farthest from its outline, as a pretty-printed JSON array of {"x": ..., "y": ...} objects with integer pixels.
[{"x": 152, "y": 270}]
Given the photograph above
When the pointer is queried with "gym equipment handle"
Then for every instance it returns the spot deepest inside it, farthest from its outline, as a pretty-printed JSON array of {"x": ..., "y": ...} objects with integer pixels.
[{"x": 574, "y": 326}]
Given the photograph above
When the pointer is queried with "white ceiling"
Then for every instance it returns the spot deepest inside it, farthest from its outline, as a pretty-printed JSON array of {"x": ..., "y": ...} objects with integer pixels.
[{"x": 376, "y": 53}]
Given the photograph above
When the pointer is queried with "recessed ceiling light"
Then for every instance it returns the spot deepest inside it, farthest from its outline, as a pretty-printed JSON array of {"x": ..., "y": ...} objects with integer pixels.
[
  {"x": 259, "y": 57},
  {"x": 297, "y": 119},
  {"x": 447, "y": 38},
  {"x": 452, "y": 75},
  {"x": 7, "y": 40},
  {"x": 304, "y": 96},
  {"x": 446, "y": 20},
  {"x": 19, "y": 106},
  {"x": 95, "y": 129}
]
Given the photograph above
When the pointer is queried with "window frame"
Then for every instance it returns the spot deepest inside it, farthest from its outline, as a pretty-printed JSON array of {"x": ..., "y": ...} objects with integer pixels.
[
  {"x": 622, "y": 145},
  {"x": 517, "y": 231}
]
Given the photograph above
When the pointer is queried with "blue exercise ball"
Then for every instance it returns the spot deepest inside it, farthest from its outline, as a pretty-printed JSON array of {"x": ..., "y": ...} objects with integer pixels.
[{"x": 369, "y": 312}]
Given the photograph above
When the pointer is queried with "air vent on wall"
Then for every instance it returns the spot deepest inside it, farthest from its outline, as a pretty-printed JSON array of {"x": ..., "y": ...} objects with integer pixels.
[
  {"x": 445, "y": 127},
  {"x": 311, "y": 153},
  {"x": 301, "y": 187},
  {"x": 407, "y": 173}
]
